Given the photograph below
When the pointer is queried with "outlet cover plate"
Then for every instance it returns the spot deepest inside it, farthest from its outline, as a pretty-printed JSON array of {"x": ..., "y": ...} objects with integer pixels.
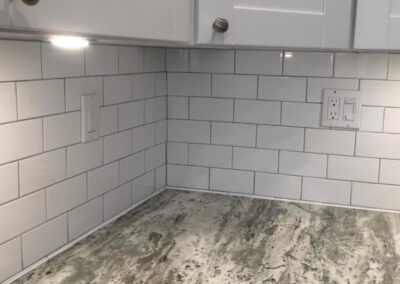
[{"x": 349, "y": 113}]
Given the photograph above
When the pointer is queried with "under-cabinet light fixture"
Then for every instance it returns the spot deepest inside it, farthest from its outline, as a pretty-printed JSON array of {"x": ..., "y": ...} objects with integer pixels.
[{"x": 69, "y": 42}]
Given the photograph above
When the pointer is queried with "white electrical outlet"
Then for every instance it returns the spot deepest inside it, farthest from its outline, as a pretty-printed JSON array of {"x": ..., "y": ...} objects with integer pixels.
[
  {"x": 333, "y": 108},
  {"x": 341, "y": 109}
]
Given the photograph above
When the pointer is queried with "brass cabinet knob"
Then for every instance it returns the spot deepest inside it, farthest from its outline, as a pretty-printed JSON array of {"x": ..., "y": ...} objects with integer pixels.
[{"x": 220, "y": 25}]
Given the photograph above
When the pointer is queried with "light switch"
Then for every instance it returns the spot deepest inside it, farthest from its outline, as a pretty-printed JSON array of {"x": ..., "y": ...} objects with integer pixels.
[
  {"x": 90, "y": 110},
  {"x": 349, "y": 109},
  {"x": 341, "y": 109}
]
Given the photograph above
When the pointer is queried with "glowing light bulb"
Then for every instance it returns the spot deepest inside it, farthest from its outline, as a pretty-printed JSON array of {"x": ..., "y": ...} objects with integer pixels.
[{"x": 69, "y": 42}]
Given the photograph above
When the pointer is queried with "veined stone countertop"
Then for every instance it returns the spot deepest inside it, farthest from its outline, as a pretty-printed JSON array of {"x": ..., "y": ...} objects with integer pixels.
[{"x": 191, "y": 237}]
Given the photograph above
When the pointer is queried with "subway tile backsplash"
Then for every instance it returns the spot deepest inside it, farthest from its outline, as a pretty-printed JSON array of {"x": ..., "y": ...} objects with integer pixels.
[
  {"x": 53, "y": 189},
  {"x": 232, "y": 121},
  {"x": 263, "y": 137}
]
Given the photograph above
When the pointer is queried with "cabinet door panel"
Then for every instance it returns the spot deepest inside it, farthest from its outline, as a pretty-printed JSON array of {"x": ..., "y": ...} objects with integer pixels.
[
  {"x": 4, "y": 18},
  {"x": 155, "y": 19},
  {"x": 372, "y": 24},
  {"x": 378, "y": 25},
  {"x": 281, "y": 23}
]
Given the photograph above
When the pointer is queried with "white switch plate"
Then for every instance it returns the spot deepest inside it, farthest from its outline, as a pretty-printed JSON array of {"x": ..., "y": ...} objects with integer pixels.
[
  {"x": 342, "y": 108},
  {"x": 90, "y": 110}
]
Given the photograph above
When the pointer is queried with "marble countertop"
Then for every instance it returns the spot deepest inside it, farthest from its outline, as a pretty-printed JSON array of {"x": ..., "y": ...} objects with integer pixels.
[{"x": 191, "y": 237}]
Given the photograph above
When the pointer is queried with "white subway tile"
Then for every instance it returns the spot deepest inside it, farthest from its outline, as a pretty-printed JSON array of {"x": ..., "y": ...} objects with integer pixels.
[
  {"x": 177, "y": 60},
  {"x": 154, "y": 157},
  {"x": 20, "y": 60},
  {"x": 316, "y": 86},
  {"x": 353, "y": 168},
  {"x": 325, "y": 190},
  {"x": 61, "y": 130},
  {"x": 161, "y": 131},
  {"x": 8, "y": 102},
  {"x": 43, "y": 240},
  {"x": 281, "y": 138},
  {"x": 161, "y": 177},
  {"x": 117, "y": 89},
  {"x": 372, "y": 119},
  {"x": 254, "y": 111},
  {"x": 20, "y": 139},
  {"x": 188, "y": 131},
  {"x": 161, "y": 84},
  {"x": 255, "y": 160},
  {"x": 190, "y": 177},
  {"x": 178, "y": 153},
  {"x": 232, "y": 181},
  {"x": 361, "y": 65},
  {"x": 155, "y": 109},
  {"x": 10, "y": 258},
  {"x": 394, "y": 67},
  {"x": 117, "y": 201},
  {"x": 234, "y": 86},
  {"x": 85, "y": 218},
  {"x": 58, "y": 62},
  {"x": 66, "y": 195},
  {"x": 376, "y": 196},
  {"x": 102, "y": 180},
  {"x": 130, "y": 115},
  {"x": 392, "y": 120},
  {"x": 233, "y": 134},
  {"x": 212, "y": 60},
  {"x": 131, "y": 59},
  {"x": 330, "y": 141},
  {"x": 144, "y": 86},
  {"x": 301, "y": 114},
  {"x": 39, "y": 98},
  {"x": 263, "y": 62},
  {"x": 178, "y": 107},
  {"x": 108, "y": 120},
  {"x": 378, "y": 145},
  {"x": 143, "y": 137},
  {"x": 389, "y": 172},
  {"x": 117, "y": 146},
  {"x": 101, "y": 60},
  {"x": 76, "y": 87},
  {"x": 211, "y": 109},
  {"x": 131, "y": 167},
  {"x": 142, "y": 187},
  {"x": 83, "y": 157},
  {"x": 279, "y": 186},
  {"x": 302, "y": 164},
  {"x": 21, "y": 215},
  {"x": 380, "y": 93},
  {"x": 187, "y": 84},
  {"x": 42, "y": 170},
  {"x": 299, "y": 63},
  {"x": 9, "y": 182},
  {"x": 154, "y": 59},
  {"x": 210, "y": 155},
  {"x": 282, "y": 88}
]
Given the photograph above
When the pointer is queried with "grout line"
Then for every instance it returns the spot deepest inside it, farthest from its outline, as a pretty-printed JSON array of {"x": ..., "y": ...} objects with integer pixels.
[
  {"x": 379, "y": 170},
  {"x": 22, "y": 251},
  {"x": 351, "y": 192},
  {"x": 327, "y": 166},
  {"x": 301, "y": 187},
  {"x": 41, "y": 59},
  {"x": 384, "y": 118}
]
